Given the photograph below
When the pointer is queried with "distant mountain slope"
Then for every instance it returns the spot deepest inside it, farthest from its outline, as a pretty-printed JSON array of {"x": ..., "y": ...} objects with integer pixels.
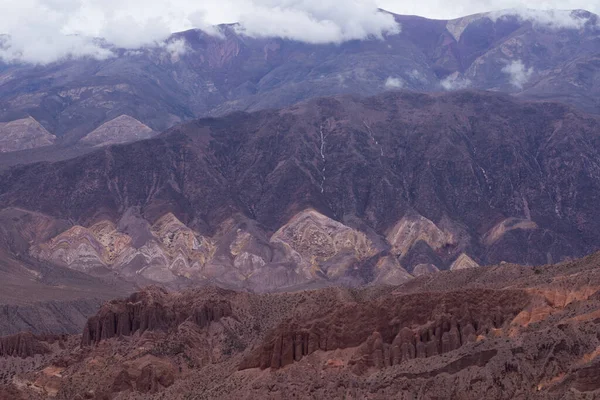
[
  {"x": 342, "y": 189},
  {"x": 540, "y": 56},
  {"x": 122, "y": 129},
  {"x": 23, "y": 134}
]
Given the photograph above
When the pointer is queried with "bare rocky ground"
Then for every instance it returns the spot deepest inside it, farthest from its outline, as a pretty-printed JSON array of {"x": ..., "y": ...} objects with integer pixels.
[{"x": 504, "y": 332}]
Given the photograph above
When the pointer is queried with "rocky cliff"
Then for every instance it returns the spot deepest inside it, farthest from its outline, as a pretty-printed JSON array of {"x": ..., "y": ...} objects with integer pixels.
[{"x": 152, "y": 310}]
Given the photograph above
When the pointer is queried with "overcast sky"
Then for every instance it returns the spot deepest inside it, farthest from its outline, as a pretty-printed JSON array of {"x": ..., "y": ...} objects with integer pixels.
[{"x": 43, "y": 31}]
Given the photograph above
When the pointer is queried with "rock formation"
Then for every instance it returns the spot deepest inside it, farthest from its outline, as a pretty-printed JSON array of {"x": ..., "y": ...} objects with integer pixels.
[
  {"x": 22, "y": 345},
  {"x": 205, "y": 202},
  {"x": 406, "y": 327},
  {"x": 149, "y": 311},
  {"x": 499, "y": 332}
]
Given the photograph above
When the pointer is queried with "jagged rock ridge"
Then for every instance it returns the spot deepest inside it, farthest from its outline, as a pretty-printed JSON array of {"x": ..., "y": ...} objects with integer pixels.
[{"x": 149, "y": 311}]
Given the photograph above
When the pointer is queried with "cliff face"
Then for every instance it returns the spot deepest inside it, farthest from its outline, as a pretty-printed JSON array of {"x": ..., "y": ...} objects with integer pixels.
[
  {"x": 152, "y": 310},
  {"x": 394, "y": 330},
  {"x": 22, "y": 345}
]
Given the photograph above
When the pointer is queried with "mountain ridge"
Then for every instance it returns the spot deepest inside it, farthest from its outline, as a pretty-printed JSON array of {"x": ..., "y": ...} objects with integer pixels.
[
  {"x": 471, "y": 176},
  {"x": 218, "y": 75}
]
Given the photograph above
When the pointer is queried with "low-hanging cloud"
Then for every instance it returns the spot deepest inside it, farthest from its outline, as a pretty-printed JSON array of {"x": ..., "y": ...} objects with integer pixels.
[
  {"x": 518, "y": 74},
  {"x": 551, "y": 19},
  {"x": 43, "y": 31},
  {"x": 317, "y": 21},
  {"x": 443, "y": 9},
  {"x": 394, "y": 83},
  {"x": 455, "y": 82}
]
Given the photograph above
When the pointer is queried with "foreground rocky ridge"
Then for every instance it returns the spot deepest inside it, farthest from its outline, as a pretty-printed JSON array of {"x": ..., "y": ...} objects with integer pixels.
[
  {"x": 498, "y": 333},
  {"x": 338, "y": 190}
]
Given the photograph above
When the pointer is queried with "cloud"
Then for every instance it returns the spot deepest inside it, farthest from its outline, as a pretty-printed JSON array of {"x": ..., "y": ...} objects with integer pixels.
[
  {"x": 316, "y": 21},
  {"x": 552, "y": 19},
  {"x": 418, "y": 76},
  {"x": 394, "y": 83},
  {"x": 443, "y": 9},
  {"x": 35, "y": 35},
  {"x": 518, "y": 74},
  {"x": 455, "y": 82},
  {"x": 127, "y": 33},
  {"x": 43, "y": 31}
]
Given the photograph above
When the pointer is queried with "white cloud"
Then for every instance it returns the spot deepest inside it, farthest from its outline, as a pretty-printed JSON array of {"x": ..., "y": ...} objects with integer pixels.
[
  {"x": 317, "y": 21},
  {"x": 418, "y": 76},
  {"x": 42, "y": 31},
  {"x": 394, "y": 83},
  {"x": 553, "y": 19},
  {"x": 443, "y": 9},
  {"x": 518, "y": 74},
  {"x": 455, "y": 82},
  {"x": 127, "y": 33}
]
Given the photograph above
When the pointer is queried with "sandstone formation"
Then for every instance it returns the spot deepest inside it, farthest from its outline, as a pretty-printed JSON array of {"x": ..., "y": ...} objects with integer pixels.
[
  {"x": 152, "y": 310},
  {"x": 395, "y": 330},
  {"x": 424, "y": 269},
  {"x": 412, "y": 229},
  {"x": 322, "y": 245},
  {"x": 463, "y": 262}
]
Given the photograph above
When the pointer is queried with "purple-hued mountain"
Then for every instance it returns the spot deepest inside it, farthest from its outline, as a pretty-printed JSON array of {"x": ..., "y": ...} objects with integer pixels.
[
  {"x": 371, "y": 182},
  {"x": 534, "y": 55}
]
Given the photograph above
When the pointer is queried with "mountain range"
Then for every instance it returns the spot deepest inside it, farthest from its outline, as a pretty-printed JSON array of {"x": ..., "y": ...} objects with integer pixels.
[
  {"x": 536, "y": 55},
  {"x": 388, "y": 216},
  {"x": 356, "y": 189}
]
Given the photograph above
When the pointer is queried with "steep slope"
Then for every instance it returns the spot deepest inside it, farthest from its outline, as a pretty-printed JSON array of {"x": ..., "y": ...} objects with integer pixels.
[
  {"x": 327, "y": 191},
  {"x": 539, "y": 55}
]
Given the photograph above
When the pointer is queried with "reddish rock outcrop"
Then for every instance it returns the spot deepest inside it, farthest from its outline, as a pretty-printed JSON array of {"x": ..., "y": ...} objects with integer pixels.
[
  {"x": 393, "y": 331},
  {"x": 150, "y": 310},
  {"x": 22, "y": 345}
]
